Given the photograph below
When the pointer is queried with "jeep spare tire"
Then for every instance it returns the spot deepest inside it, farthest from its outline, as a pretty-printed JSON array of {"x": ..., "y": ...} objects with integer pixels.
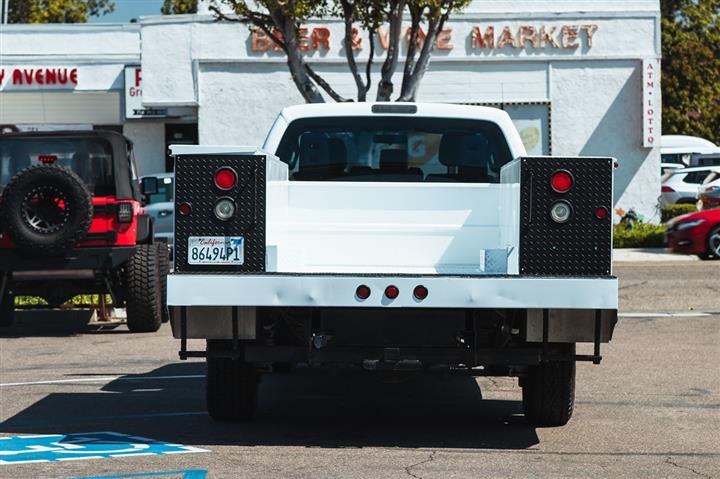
[{"x": 46, "y": 209}]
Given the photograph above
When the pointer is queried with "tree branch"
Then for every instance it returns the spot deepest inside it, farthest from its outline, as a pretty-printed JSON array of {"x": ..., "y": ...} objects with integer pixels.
[{"x": 385, "y": 87}]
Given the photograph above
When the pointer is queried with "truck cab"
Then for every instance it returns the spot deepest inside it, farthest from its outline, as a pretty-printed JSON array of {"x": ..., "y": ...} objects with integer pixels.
[{"x": 392, "y": 237}]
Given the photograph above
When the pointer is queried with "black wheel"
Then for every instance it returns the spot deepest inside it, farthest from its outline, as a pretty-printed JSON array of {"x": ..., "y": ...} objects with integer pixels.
[
  {"x": 713, "y": 244},
  {"x": 142, "y": 290},
  {"x": 549, "y": 392},
  {"x": 163, "y": 270},
  {"x": 231, "y": 388},
  {"x": 7, "y": 310},
  {"x": 46, "y": 210}
]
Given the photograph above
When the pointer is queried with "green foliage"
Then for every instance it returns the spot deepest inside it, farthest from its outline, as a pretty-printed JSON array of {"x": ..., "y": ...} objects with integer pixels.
[
  {"x": 642, "y": 235},
  {"x": 57, "y": 11},
  {"x": 87, "y": 300},
  {"x": 691, "y": 68},
  {"x": 671, "y": 211},
  {"x": 178, "y": 7}
]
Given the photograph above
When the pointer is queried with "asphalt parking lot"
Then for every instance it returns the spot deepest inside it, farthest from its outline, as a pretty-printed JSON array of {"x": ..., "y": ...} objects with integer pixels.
[{"x": 652, "y": 409}]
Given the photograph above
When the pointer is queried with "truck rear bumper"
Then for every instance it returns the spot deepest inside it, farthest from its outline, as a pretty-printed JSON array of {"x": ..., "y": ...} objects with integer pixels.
[{"x": 326, "y": 290}]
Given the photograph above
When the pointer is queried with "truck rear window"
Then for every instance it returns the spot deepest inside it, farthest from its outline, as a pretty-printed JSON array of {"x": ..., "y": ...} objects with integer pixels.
[
  {"x": 392, "y": 148},
  {"x": 90, "y": 158}
]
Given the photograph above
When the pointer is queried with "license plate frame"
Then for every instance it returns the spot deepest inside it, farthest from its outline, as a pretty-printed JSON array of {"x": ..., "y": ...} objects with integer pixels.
[{"x": 216, "y": 250}]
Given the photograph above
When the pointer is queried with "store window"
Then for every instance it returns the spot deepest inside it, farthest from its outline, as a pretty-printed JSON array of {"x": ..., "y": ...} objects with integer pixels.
[{"x": 532, "y": 120}]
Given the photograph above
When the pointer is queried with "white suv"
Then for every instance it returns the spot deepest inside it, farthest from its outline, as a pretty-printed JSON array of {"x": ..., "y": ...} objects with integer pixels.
[{"x": 681, "y": 186}]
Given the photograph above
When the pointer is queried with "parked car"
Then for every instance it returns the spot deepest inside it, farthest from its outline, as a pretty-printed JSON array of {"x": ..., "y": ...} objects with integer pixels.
[
  {"x": 685, "y": 150},
  {"x": 709, "y": 192},
  {"x": 71, "y": 223},
  {"x": 695, "y": 233},
  {"x": 681, "y": 185},
  {"x": 160, "y": 206}
]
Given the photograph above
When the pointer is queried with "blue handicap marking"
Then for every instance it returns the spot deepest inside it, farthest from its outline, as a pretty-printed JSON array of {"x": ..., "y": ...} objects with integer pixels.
[
  {"x": 186, "y": 474},
  {"x": 92, "y": 445}
]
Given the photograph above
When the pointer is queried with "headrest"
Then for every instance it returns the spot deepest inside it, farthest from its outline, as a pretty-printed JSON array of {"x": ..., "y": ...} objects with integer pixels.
[
  {"x": 337, "y": 151},
  {"x": 464, "y": 149},
  {"x": 80, "y": 163},
  {"x": 392, "y": 161},
  {"x": 314, "y": 150}
]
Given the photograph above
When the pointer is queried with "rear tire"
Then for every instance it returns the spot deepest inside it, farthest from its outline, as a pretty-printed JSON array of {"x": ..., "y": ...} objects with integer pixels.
[
  {"x": 142, "y": 290},
  {"x": 549, "y": 392},
  {"x": 713, "y": 244},
  {"x": 7, "y": 310},
  {"x": 231, "y": 389}
]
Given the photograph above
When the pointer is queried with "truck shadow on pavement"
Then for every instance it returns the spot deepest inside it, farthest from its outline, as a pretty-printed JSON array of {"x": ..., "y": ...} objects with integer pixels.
[
  {"x": 307, "y": 409},
  {"x": 57, "y": 323}
]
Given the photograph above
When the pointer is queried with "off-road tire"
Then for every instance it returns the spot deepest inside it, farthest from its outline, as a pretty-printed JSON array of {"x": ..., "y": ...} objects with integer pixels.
[
  {"x": 163, "y": 254},
  {"x": 7, "y": 310},
  {"x": 77, "y": 199},
  {"x": 142, "y": 290},
  {"x": 231, "y": 389},
  {"x": 549, "y": 392}
]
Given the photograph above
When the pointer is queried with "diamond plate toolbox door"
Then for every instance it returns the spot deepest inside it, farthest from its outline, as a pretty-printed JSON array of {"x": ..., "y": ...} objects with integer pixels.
[
  {"x": 580, "y": 246},
  {"x": 195, "y": 187}
]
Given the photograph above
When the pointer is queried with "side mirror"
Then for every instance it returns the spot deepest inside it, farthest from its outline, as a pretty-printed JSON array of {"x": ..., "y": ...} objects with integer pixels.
[{"x": 149, "y": 186}]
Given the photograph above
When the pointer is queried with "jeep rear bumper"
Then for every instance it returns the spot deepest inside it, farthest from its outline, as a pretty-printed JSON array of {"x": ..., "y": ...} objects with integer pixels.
[{"x": 102, "y": 258}]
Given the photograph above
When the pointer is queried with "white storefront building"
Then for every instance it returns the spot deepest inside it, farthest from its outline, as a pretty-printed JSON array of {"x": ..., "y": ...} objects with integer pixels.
[{"x": 578, "y": 78}]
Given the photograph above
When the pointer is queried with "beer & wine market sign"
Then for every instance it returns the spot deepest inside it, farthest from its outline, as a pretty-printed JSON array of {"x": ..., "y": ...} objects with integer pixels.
[{"x": 488, "y": 37}]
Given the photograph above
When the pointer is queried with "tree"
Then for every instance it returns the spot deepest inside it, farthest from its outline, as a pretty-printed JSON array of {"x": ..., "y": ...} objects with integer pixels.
[
  {"x": 178, "y": 7},
  {"x": 691, "y": 67},
  {"x": 57, "y": 11},
  {"x": 282, "y": 20}
]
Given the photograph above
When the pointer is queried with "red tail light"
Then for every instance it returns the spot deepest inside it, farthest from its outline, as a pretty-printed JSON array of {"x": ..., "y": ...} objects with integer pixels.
[
  {"x": 225, "y": 178},
  {"x": 184, "y": 209},
  {"x": 362, "y": 292},
  {"x": 392, "y": 292},
  {"x": 667, "y": 189},
  {"x": 561, "y": 181},
  {"x": 420, "y": 292},
  {"x": 601, "y": 213}
]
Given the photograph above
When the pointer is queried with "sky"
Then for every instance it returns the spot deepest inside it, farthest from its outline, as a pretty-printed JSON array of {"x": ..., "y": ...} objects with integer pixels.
[{"x": 127, "y": 9}]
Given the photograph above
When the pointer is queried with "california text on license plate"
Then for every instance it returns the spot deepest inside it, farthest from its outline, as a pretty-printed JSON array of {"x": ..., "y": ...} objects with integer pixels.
[{"x": 216, "y": 250}]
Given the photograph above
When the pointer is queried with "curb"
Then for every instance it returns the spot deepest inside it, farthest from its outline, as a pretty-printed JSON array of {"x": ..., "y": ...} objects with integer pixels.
[{"x": 621, "y": 255}]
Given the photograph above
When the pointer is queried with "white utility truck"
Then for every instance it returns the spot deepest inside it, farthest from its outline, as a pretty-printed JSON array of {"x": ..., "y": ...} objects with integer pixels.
[{"x": 392, "y": 236}]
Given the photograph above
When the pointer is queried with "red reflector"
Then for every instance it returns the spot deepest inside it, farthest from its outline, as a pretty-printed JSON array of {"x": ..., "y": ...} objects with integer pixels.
[
  {"x": 225, "y": 178},
  {"x": 667, "y": 189},
  {"x": 561, "y": 181},
  {"x": 362, "y": 292},
  {"x": 420, "y": 292},
  {"x": 47, "y": 159},
  {"x": 184, "y": 209},
  {"x": 392, "y": 292},
  {"x": 601, "y": 213}
]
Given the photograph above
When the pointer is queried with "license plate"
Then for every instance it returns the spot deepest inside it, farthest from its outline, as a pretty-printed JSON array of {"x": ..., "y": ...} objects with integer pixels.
[{"x": 226, "y": 250}]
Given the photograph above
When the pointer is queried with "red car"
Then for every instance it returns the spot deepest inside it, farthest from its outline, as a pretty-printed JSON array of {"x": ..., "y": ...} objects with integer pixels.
[{"x": 695, "y": 233}]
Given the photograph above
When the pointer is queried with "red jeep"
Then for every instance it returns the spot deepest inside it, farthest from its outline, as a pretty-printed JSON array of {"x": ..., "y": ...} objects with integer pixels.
[{"x": 71, "y": 223}]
